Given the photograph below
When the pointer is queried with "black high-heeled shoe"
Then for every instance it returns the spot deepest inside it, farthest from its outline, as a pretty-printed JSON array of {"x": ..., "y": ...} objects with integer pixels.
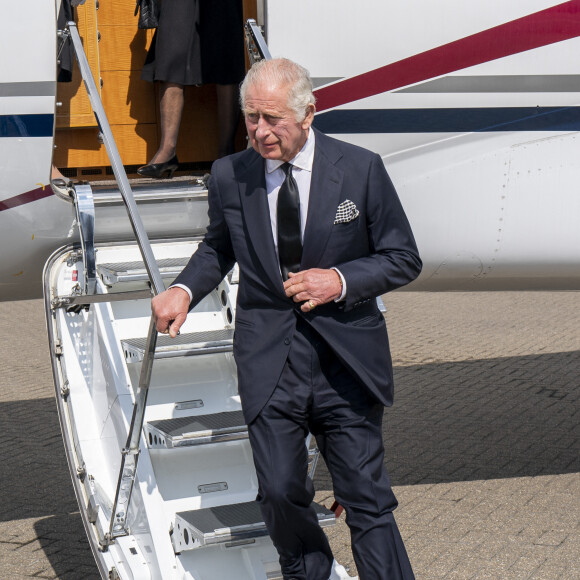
[{"x": 160, "y": 170}]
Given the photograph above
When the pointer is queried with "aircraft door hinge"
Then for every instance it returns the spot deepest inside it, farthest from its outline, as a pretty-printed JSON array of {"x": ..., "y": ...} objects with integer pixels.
[
  {"x": 65, "y": 389},
  {"x": 59, "y": 302},
  {"x": 82, "y": 472},
  {"x": 73, "y": 258},
  {"x": 130, "y": 451}
]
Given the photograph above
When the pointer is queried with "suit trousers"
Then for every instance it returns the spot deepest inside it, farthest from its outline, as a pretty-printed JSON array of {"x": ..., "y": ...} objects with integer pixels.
[{"x": 316, "y": 393}]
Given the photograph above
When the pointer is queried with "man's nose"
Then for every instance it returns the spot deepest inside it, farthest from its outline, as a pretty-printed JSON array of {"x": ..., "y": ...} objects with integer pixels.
[{"x": 263, "y": 128}]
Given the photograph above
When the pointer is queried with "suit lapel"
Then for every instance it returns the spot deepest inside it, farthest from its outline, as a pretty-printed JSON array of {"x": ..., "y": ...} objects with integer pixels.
[
  {"x": 254, "y": 202},
  {"x": 325, "y": 188}
]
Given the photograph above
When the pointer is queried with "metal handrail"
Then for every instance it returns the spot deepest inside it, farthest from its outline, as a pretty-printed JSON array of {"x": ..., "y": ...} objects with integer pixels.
[
  {"x": 116, "y": 163},
  {"x": 255, "y": 43},
  {"x": 130, "y": 453},
  {"x": 85, "y": 211}
]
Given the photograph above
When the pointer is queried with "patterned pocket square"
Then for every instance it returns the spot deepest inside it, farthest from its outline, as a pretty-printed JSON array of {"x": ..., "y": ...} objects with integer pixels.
[{"x": 346, "y": 212}]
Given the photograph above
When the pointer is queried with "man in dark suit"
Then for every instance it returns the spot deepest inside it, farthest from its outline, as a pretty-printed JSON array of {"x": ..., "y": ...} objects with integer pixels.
[{"x": 316, "y": 241}]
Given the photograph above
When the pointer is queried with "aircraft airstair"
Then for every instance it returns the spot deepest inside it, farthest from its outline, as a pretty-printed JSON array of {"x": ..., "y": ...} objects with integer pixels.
[{"x": 153, "y": 429}]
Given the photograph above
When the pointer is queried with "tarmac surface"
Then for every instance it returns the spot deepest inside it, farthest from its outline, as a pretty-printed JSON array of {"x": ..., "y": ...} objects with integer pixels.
[{"x": 482, "y": 444}]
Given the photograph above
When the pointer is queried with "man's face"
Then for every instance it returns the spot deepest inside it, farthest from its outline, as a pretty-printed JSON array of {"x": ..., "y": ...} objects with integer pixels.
[{"x": 272, "y": 126}]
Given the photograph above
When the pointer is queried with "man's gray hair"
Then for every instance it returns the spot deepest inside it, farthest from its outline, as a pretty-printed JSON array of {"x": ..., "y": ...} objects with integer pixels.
[{"x": 282, "y": 72}]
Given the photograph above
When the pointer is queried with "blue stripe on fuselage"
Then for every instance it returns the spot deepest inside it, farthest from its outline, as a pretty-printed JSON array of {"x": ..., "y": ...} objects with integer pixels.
[
  {"x": 26, "y": 125},
  {"x": 449, "y": 120}
]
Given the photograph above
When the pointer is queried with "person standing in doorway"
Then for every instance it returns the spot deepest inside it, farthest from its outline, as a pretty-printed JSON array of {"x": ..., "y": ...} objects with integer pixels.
[{"x": 197, "y": 42}]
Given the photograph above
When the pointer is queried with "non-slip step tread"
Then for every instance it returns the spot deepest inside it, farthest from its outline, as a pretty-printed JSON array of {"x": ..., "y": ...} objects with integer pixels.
[
  {"x": 114, "y": 272},
  {"x": 216, "y": 422},
  {"x": 196, "y": 430},
  {"x": 227, "y": 523},
  {"x": 191, "y": 343},
  {"x": 131, "y": 265},
  {"x": 192, "y": 338},
  {"x": 210, "y": 520},
  {"x": 234, "y": 517}
]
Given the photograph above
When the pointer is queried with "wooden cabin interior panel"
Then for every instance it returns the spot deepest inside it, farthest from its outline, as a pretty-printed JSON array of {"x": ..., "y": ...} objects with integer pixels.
[
  {"x": 75, "y": 109},
  {"x": 116, "y": 50}
]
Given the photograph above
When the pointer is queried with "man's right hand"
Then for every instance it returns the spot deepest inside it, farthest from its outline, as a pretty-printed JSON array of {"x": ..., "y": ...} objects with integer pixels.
[{"x": 170, "y": 310}]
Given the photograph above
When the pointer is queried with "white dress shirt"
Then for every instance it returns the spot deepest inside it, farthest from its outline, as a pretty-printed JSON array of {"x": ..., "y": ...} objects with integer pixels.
[{"x": 302, "y": 173}]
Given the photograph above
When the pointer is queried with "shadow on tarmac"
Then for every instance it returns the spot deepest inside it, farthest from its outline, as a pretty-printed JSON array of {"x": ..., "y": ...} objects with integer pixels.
[
  {"x": 36, "y": 484},
  {"x": 63, "y": 540},
  {"x": 482, "y": 419}
]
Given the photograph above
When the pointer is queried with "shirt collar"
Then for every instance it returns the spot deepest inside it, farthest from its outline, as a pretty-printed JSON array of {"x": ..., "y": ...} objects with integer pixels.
[{"x": 303, "y": 160}]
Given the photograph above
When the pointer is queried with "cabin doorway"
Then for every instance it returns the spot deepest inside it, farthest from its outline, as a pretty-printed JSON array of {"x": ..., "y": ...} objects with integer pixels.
[{"x": 116, "y": 51}]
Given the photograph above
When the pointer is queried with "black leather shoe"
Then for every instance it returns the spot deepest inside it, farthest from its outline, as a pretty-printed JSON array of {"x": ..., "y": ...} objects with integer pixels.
[{"x": 160, "y": 170}]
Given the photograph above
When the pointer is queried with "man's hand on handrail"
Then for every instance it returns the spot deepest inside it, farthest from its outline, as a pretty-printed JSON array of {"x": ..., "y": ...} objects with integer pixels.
[{"x": 170, "y": 310}]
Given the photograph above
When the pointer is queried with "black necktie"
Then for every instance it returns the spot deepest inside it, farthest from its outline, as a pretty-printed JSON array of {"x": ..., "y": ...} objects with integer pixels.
[{"x": 288, "y": 217}]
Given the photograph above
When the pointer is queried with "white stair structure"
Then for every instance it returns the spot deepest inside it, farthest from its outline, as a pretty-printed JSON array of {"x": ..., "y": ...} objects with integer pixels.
[
  {"x": 192, "y": 513},
  {"x": 153, "y": 427}
]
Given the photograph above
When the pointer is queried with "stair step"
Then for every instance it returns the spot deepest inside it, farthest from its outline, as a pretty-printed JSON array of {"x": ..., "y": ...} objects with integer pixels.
[
  {"x": 228, "y": 523},
  {"x": 116, "y": 272},
  {"x": 189, "y": 344},
  {"x": 199, "y": 430}
]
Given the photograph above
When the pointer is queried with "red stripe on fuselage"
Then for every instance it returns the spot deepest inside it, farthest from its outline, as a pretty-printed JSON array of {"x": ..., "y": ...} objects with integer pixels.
[
  {"x": 27, "y": 197},
  {"x": 552, "y": 25}
]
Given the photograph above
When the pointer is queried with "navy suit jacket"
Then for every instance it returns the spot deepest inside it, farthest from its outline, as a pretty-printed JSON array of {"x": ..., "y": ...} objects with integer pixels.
[{"x": 375, "y": 252}]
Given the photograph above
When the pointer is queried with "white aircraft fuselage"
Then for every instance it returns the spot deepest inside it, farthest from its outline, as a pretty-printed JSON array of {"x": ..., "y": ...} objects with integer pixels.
[{"x": 474, "y": 108}]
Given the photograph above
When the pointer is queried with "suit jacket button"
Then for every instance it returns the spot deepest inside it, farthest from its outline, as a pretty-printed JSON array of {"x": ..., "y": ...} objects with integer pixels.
[{"x": 286, "y": 341}]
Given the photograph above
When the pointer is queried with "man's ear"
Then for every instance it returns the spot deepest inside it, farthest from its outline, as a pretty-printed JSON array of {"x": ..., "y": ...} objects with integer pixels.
[{"x": 309, "y": 116}]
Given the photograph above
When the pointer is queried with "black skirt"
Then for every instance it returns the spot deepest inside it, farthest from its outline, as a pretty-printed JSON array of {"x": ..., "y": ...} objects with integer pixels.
[{"x": 197, "y": 42}]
